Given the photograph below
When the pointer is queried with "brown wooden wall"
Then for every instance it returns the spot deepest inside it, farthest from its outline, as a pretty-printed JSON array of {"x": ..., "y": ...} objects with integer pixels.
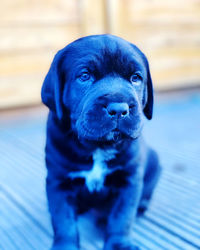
[
  {"x": 168, "y": 32},
  {"x": 31, "y": 31}
]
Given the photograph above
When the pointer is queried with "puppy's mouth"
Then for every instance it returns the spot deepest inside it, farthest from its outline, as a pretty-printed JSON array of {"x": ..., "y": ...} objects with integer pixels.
[
  {"x": 107, "y": 131},
  {"x": 115, "y": 135}
]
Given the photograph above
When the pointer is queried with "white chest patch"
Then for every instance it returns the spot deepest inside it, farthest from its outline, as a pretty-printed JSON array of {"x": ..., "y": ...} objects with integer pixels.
[{"x": 95, "y": 177}]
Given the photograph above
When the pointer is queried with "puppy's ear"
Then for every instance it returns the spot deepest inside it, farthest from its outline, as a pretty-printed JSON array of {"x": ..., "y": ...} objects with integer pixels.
[
  {"x": 148, "y": 108},
  {"x": 53, "y": 85},
  {"x": 148, "y": 90}
]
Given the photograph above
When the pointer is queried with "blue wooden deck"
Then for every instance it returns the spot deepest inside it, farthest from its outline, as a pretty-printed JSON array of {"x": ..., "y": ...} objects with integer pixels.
[{"x": 173, "y": 219}]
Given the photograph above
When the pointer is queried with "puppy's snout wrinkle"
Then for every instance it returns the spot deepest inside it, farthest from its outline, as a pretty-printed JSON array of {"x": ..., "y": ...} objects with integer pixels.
[{"x": 118, "y": 109}]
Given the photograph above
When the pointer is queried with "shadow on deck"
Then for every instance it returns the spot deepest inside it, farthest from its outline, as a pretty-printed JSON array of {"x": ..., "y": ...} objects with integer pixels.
[{"x": 173, "y": 219}]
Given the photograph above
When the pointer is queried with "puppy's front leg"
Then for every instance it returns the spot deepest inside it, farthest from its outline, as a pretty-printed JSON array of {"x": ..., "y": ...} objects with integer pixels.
[
  {"x": 123, "y": 215},
  {"x": 63, "y": 217}
]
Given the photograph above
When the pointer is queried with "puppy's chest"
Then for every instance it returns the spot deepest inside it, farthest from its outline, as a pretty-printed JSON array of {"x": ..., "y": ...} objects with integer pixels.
[{"x": 95, "y": 177}]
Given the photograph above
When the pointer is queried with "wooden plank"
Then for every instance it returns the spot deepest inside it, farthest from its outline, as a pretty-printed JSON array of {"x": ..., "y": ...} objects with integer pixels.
[
  {"x": 31, "y": 62},
  {"x": 92, "y": 15},
  {"x": 20, "y": 90},
  {"x": 36, "y": 37},
  {"x": 23, "y": 230},
  {"x": 29, "y": 11}
]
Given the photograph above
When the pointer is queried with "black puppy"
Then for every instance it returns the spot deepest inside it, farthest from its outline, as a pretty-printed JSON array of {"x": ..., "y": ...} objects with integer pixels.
[{"x": 98, "y": 90}]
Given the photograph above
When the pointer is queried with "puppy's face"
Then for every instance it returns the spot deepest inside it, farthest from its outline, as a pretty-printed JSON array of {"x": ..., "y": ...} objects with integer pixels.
[{"x": 104, "y": 82}]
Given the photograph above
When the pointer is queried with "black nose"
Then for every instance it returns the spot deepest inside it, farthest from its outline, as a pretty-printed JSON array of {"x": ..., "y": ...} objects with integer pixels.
[{"x": 116, "y": 109}]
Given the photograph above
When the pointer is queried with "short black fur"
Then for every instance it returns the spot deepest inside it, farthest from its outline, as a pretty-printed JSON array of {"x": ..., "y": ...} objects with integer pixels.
[{"x": 98, "y": 90}]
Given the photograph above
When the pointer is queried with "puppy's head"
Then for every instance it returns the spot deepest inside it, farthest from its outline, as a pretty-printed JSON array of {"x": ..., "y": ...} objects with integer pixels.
[{"x": 104, "y": 83}]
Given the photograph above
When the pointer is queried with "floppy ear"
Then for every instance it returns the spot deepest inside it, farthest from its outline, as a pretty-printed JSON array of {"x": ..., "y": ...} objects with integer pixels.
[
  {"x": 53, "y": 85},
  {"x": 148, "y": 108}
]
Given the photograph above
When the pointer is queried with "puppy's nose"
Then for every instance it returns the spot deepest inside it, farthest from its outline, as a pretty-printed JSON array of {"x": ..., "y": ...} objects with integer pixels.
[{"x": 116, "y": 109}]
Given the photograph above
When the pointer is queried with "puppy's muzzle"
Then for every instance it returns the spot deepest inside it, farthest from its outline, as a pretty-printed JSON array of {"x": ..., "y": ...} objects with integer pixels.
[{"x": 117, "y": 110}]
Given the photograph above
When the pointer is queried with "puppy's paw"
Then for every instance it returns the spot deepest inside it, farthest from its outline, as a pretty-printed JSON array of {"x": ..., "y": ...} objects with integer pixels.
[
  {"x": 120, "y": 243},
  {"x": 143, "y": 206},
  {"x": 64, "y": 246}
]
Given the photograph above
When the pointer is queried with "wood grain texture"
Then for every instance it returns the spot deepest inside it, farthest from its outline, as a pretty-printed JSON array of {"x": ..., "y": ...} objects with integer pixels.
[
  {"x": 32, "y": 31},
  {"x": 168, "y": 33}
]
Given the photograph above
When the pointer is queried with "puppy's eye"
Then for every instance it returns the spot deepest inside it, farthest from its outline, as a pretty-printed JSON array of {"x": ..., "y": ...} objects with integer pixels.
[
  {"x": 85, "y": 76},
  {"x": 136, "y": 78}
]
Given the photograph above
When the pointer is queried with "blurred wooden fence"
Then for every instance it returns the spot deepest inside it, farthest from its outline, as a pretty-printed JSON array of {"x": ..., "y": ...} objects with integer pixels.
[{"x": 32, "y": 31}]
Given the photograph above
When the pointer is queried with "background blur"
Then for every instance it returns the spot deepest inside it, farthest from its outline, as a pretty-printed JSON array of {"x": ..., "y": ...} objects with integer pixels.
[{"x": 33, "y": 30}]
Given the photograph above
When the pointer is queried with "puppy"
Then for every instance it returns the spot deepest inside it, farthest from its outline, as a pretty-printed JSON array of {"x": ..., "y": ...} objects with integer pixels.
[{"x": 99, "y": 91}]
